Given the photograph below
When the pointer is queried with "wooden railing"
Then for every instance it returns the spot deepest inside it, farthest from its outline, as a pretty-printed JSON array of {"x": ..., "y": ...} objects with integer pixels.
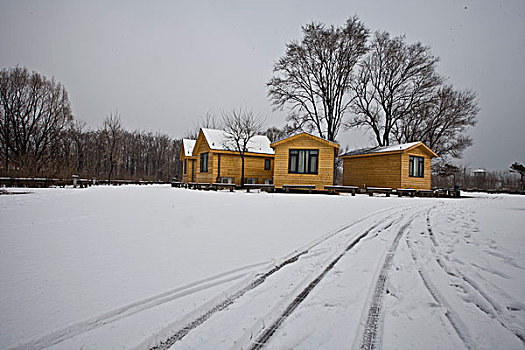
[{"x": 40, "y": 182}]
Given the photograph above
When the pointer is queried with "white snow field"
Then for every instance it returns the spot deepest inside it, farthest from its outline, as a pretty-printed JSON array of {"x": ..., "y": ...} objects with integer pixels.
[{"x": 141, "y": 267}]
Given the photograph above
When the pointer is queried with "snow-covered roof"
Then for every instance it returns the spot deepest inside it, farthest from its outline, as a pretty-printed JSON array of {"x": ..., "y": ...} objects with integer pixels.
[
  {"x": 392, "y": 148},
  {"x": 479, "y": 171},
  {"x": 218, "y": 140},
  {"x": 188, "y": 146},
  {"x": 297, "y": 134}
]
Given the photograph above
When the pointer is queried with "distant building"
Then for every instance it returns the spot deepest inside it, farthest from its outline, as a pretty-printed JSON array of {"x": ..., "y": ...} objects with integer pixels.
[{"x": 479, "y": 177}]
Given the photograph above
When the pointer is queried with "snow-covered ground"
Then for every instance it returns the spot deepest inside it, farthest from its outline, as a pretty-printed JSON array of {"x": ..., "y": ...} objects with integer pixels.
[{"x": 154, "y": 266}]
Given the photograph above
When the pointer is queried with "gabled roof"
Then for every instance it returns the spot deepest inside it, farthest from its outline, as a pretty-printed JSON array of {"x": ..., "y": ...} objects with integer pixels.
[
  {"x": 301, "y": 134},
  {"x": 400, "y": 148},
  {"x": 218, "y": 140},
  {"x": 188, "y": 146}
]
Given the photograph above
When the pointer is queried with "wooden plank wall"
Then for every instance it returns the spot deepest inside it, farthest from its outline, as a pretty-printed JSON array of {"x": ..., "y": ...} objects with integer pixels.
[
  {"x": 418, "y": 183},
  {"x": 386, "y": 170},
  {"x": 325, "y": 175},
  {"x": 200, "y": 176},
  {"x": 375, "y": 171},
  {"x": 231, "y": 166}
]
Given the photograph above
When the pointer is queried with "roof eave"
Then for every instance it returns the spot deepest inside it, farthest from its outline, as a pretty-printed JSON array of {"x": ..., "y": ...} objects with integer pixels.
[
  {"x": 432, "y": 153},
  {"x": 293, "y": 137},
  {"x": 420, "y": 144},
  {"x": 370, "y": 154}
]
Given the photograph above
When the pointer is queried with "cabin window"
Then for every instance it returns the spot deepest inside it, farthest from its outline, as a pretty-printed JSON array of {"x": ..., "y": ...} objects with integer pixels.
[
  {"x": 185, "y": 166},
  {"x": 416, "y": 166},
  {"x": 303, "y": 161},
  {"x": 204, "y": 162},
  {"x": 267, "y": 164}
]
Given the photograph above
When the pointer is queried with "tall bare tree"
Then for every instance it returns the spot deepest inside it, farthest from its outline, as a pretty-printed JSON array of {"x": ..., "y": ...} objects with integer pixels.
[
  {"x": 241, "y": 125},
  {"x": 274, "y": 133},
  {"x": 77, "y": 135},
  {"x": 35, "y": 112},
  {"x": 112, "y": 135},
  {"x": 395, "y": 79},
  {"x": 401, "y": 97},
  {"x": 313, "y": 77},
  {"x": 442, "y": 122},
  {"x": 209, "y": 121}
]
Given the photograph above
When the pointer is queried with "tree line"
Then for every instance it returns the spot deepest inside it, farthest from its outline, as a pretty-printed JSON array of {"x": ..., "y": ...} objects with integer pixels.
[
  {"x": 447, "y": 176},
  {"x": 332, "y": 79},
  {"x": 40, "y": 137}
]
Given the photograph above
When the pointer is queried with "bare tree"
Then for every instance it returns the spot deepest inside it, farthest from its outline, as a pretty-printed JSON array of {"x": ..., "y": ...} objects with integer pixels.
[
  {"x": 395, "y": 79},
  {"x": 241, "y": 125},
  {"x": 209, "y": 121},
  {"x": 35, "y": 112},
  {"x": 112, "y": 134},
  {"x": 520, "y": 169},
  {"x": 314, "y": 76},
  {"x": 274, "y": 133},
  {"x": 442, "y": 122}
]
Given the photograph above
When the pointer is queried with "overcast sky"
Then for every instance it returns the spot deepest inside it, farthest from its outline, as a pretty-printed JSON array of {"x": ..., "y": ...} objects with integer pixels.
[{"x": 163, "y": 64}]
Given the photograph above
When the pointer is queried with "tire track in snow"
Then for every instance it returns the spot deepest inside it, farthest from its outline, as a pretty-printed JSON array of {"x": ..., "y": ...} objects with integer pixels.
[
  {"x": 452, "y": 317},
  {"x": 372, "y": 324},
  {"x": 73, "y": 330},
  {"x": 109, "y": 317},
  {"x": 207, "y": 313},
  {"x": 263, "y": 339}
]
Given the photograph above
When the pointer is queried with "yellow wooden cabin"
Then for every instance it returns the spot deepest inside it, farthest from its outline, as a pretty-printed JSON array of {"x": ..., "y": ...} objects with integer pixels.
[
  {"x": 188, "y": 160},
  {"x": 400, "y": 166},
  {"x": 217, "y": 161},
  {"x": 304, "y": 159}
]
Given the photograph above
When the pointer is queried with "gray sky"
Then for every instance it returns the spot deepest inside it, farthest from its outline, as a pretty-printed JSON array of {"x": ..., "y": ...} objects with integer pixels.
[{"x": 163, "y": 64}]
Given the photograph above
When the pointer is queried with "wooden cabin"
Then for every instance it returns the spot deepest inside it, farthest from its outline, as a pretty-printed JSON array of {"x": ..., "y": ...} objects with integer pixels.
[
  {"x": 400, "y": 166},
  {"x": 216, "y": 159},
  {"x": 188, "y": 160},
  {"x": 304, "y": 159}
]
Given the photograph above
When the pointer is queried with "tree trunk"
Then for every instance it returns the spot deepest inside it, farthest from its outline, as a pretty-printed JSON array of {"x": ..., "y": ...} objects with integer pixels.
[{"x": 242, "y": 170}]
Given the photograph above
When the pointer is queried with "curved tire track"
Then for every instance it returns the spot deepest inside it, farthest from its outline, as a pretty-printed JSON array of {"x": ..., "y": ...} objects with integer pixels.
[
  {"x": 372, "y": 324},
  {"x": 75, "y": 329},
  {"x": 197, "y": 321},
  {"x": 117, "y": 314},
  {"x": 263, "y": 338}
]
